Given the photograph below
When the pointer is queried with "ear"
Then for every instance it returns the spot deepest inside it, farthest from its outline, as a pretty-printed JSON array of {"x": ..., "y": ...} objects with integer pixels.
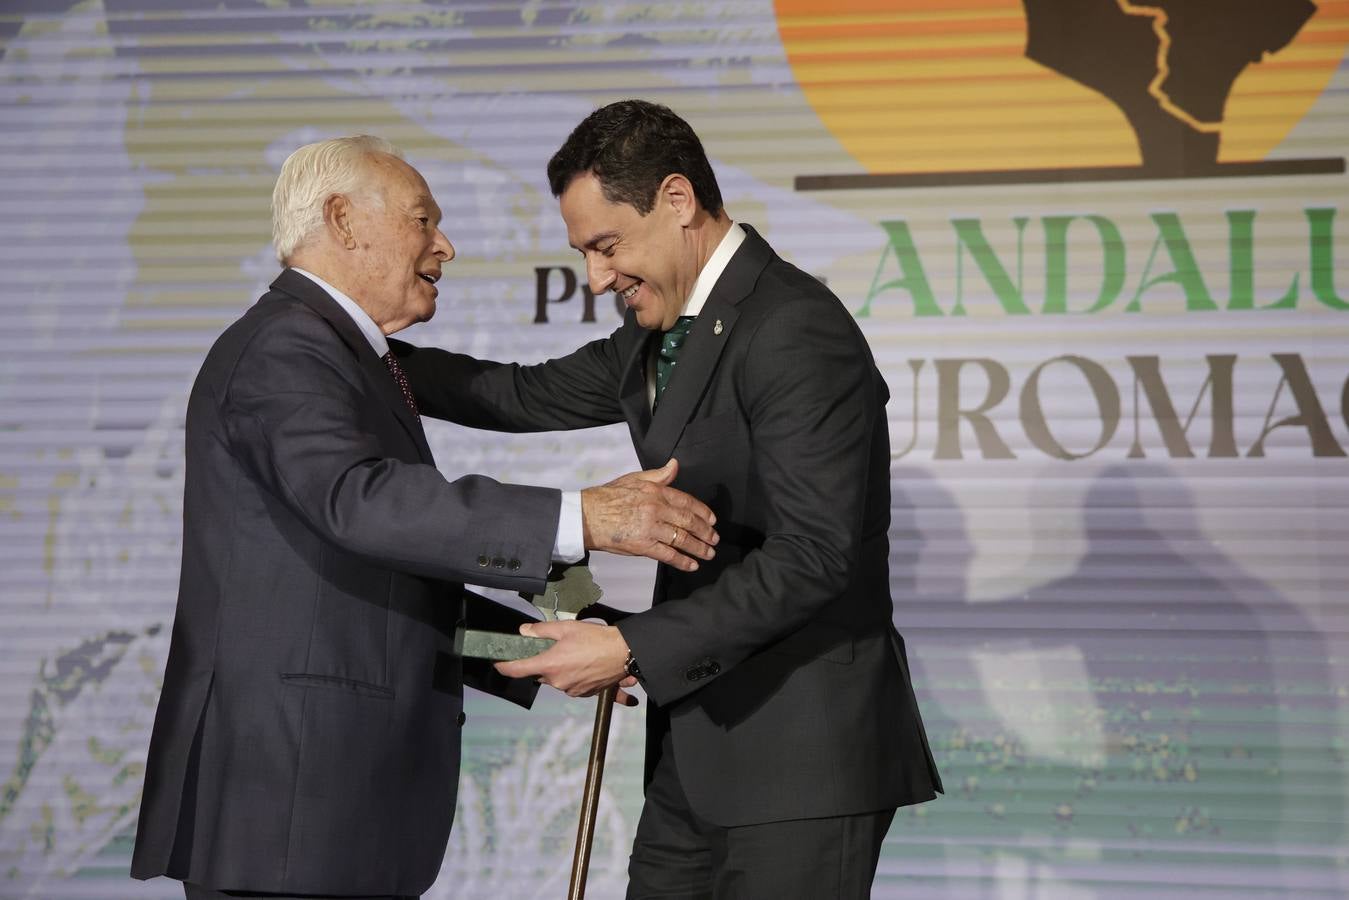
[
  {"x": 676, "y": 192},
  {"x": 337, "y": 219}
]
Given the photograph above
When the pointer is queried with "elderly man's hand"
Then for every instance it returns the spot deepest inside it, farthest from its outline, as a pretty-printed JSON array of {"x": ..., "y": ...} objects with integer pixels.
[{"x": 639, "y": 514}]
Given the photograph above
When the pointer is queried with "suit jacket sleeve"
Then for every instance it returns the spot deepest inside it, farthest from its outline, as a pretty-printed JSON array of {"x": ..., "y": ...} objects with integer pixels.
[
  {"x": 293, "y": 408},
  {"x": 575, "y": 391},
  {"x": 813, "y": 401}
]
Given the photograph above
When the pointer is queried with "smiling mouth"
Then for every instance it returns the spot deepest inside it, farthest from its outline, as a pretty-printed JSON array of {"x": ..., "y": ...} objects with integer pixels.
[
  {"x": 429, "y": 279},
  {"x": 630, "y": 292}
]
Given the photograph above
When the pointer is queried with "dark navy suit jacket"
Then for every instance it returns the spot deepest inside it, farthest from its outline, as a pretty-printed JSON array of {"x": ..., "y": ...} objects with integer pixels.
[{"x": 307, "y": 737}]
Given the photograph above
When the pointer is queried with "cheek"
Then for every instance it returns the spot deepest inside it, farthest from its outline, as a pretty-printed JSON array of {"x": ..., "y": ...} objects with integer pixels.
[
  {"x": 631, "y": 262},
  {"x": 420, "y": 247}
]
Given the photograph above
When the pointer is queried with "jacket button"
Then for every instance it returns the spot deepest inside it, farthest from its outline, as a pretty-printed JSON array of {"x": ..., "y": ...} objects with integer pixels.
[
  {"x": 498, "y": 563},
  {"x": 513, "y": 565},
  {"x": 482, "y": 562},
  {"x": 461, "y": 719},
  {"x": 702, "y": 670}
]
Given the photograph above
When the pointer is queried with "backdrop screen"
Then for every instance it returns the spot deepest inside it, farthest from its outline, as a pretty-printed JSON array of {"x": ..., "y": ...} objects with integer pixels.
[{"x": 1097, "y": 247}]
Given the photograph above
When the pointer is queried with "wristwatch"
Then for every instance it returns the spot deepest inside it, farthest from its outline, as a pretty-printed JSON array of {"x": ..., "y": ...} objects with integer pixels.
[{"x": 630, "y": 667}]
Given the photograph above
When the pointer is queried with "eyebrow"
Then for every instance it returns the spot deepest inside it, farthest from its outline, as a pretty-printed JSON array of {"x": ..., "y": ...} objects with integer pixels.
[
  {"x": 429, "y": 204},
  {"x": 596, "y": 240}
]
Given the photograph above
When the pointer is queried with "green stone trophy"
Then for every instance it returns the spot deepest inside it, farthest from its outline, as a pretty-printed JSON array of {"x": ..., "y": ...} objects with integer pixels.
[{"x": 570, "y": 591}]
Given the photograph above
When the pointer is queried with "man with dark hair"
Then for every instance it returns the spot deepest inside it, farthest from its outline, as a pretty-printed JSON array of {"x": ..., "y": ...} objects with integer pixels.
[
  {"x": 630, "y": 147},
  {"x": 783, "y": 731}
]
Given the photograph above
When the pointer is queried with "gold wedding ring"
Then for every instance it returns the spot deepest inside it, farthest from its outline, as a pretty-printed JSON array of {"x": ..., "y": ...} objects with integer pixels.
[{"x": 675, "y": 539}]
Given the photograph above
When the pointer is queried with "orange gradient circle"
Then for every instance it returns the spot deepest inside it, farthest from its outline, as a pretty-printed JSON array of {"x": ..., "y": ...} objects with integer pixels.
[{"x": 945, "y": 85}]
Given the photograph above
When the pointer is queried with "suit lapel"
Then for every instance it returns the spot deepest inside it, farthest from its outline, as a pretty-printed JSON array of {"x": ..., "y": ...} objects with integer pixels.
[
  {"x": 375, "y": 370},
  {"x": 697, "y": 362},
  {"x": 702, "y": 348}
]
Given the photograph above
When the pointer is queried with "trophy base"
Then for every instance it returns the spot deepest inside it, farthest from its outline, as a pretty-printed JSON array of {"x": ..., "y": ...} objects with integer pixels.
[{"x": 500, "y": 646}]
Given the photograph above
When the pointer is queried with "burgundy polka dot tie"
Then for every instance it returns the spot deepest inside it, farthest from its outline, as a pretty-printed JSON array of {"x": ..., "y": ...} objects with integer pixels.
[{"x": 402, "y": 381}]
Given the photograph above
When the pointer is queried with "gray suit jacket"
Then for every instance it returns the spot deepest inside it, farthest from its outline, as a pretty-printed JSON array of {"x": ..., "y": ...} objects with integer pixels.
[
  {"x": 775, "y": 666},
  {"x": 307, "y": 737}
]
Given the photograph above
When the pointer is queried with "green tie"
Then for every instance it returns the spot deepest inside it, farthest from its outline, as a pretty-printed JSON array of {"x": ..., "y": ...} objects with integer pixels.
[{"x": 670, "y": 342}]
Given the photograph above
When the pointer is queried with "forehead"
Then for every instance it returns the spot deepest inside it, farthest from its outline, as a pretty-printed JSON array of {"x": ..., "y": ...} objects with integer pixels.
[
  {"x": 589, "y": 215},
  {"x": 398, "y": 181}
]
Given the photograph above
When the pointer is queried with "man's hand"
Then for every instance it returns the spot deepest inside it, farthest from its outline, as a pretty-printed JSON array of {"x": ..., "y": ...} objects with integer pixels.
[
  {"x": 639, "y": 514},
  {"x": 586, "y": 658}
]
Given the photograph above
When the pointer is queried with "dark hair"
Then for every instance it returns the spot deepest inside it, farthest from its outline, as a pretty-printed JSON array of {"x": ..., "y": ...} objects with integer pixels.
[{"x": 631, "y": 146}]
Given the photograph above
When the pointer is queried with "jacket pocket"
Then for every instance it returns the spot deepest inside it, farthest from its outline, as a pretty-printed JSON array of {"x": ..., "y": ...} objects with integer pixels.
[{"x": 336, "y": 683}]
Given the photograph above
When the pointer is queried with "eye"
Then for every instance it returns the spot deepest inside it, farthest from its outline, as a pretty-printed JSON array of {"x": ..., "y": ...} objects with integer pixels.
[{"x": 425, "y": 220}]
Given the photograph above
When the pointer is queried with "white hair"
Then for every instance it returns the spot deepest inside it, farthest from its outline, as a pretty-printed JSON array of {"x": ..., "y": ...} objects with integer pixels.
[{"x": 311, "y": 175}]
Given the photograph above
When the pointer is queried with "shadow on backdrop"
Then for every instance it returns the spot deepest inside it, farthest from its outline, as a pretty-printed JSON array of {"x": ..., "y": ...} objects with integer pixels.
[{"x": 1156, "y": 710}]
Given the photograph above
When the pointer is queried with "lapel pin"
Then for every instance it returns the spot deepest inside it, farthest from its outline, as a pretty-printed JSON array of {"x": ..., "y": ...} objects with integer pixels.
[{"x": 716, "y": 329}]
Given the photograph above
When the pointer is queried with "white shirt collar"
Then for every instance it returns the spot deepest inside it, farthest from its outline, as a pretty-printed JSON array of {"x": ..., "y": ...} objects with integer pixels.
[
  {"x": 716, "y": 264},
  {"x": 378, "y": 342}
]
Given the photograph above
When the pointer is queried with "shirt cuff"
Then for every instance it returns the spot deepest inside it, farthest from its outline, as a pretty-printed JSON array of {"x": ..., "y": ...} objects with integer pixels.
[{"x": 570, "y": 544}]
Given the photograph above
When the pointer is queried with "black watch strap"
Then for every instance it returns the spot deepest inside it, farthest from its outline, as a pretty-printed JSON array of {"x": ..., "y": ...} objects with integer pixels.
[{"x": 630, "y": 668}]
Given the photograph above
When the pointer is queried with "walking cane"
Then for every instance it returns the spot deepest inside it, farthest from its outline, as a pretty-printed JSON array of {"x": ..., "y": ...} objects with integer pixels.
[{"x": 590, "y": 795}]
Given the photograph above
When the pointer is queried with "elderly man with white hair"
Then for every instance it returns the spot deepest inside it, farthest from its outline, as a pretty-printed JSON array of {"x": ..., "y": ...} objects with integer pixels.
[{"x": 307, "y": 738}]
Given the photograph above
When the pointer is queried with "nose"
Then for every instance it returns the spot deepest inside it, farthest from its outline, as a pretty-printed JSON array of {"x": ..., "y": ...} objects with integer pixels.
[
  {"x": 444, "y": 250},
  {"x": 598, "y": 273}
]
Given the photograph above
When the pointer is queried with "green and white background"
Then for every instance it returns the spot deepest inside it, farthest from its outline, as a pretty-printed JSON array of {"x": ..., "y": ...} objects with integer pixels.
[{"x": 1120, "y": 408}]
